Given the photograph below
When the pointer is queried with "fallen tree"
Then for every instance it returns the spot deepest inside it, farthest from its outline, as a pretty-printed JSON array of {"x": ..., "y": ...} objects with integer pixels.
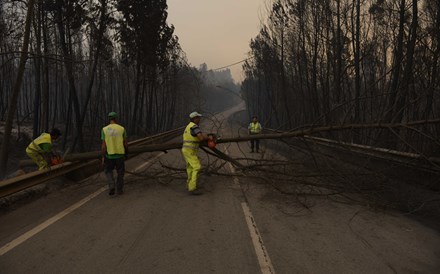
[
  {"x": 282, "y": 135},
  {"x": 365, "y": 182}
]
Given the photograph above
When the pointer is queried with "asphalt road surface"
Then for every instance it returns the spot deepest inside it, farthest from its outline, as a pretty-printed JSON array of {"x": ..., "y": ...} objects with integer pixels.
[{"x": 239, "y": 225}]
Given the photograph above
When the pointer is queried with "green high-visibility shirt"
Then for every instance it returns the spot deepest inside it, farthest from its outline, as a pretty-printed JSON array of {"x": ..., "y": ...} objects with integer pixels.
[{"x": 46, "y": 147}]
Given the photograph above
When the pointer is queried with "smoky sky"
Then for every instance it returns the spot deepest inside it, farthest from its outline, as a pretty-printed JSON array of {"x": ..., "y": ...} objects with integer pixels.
[{"x": 216, "y": 32}]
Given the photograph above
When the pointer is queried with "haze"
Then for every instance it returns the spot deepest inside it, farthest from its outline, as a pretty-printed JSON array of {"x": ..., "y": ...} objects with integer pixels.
[{"x": 216, "y": 32}]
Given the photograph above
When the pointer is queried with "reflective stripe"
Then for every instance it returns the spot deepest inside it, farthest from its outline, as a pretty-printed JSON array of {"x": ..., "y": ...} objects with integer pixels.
[
  {"x": 189, "y": 141},
  {"x": 190, "y": 147}
]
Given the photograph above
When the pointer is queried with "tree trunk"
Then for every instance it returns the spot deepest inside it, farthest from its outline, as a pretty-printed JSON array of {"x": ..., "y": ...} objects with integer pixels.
[
  {"x": 45, "y": 94},
  {"x": 408, "y": 72},
  {"x": 433, "y": 85},
  {"x": 17, "y": 86},
  {"x": 102, "y": 27},
  {"x": 37, "y": 73},
  {"x": 136, "y": 96},
  {"x": 356, "y": 50},
  {"x": 68, "y": 60},
  {"x": 338, "y": 74},
  {"x": 397, "y": 65}
]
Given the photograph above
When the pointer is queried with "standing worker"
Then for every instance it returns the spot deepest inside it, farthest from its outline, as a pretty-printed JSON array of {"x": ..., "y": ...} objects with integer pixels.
[
  {"x": 192, "y": 137},
  {"x": 114, "y": 151},
  {"x": 255, "y": 128},
  {"x": 40, "y": 149}
]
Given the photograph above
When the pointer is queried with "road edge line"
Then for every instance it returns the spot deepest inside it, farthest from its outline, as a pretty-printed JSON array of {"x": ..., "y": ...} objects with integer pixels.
[
  {"x": 24, "y": 237},
  {"x": 27, "y": 235}
]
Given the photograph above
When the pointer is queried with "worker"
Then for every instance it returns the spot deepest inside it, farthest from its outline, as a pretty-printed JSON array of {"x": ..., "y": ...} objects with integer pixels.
[
  {"x": 114, "y": 152},
  {"x": 40, "y": 149},
  {"x": 192, "y": 136},
  {"x": 255, "y": 128}
]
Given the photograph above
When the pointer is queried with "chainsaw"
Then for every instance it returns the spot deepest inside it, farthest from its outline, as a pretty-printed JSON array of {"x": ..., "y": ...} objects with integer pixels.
[
  {"x": 212, "y": 141},
  {"x": 57, "y": 158}
]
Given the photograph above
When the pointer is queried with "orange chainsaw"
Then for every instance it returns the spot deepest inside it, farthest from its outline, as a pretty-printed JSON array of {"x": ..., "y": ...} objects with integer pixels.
[
  {"x": 212, "y": 142},
  {"x": 56, "y": 160}
]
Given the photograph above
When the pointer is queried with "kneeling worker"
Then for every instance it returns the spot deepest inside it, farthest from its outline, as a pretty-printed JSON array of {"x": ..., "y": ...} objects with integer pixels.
[
  {"x": 192, "y": 137},
  {"x": 40, "y": 149}
]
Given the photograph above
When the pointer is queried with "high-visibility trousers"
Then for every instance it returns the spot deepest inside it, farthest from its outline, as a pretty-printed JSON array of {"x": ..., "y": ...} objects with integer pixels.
[
  {"x": 192, "y": 167},
  {"x": 37, "y": 158}
]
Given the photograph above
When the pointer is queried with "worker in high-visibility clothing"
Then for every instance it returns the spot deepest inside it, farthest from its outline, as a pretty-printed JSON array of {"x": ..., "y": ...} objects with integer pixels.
[
  {"x": 114, "y": 151},
  {"x": 40, "y": 149},
  {"x": 192, "y": 136},
  {"x": 255, "y": 128}
]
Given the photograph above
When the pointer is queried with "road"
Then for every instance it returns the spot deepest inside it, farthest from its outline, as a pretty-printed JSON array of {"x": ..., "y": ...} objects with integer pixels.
[{"x": 239, "y": 225}]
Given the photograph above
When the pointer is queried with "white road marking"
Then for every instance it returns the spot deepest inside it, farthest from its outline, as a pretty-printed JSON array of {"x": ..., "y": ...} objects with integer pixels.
[
  {"x": 148, "y": 162},
  {"x": 14, "y": 243},
  {"x": 260, "y": 249},
  {"x": 26, "y": 236}
]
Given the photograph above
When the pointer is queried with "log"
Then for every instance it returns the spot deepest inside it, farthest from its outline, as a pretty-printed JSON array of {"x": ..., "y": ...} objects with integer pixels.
[
  {"x": 98, "y": 154},
  {"x": 290, "y": 134}
]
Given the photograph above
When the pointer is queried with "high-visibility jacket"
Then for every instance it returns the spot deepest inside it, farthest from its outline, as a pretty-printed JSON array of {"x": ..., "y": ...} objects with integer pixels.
[
  {"x": 34, "y": 146},
  {"x": 114, "y": 135},
  {"x": 189, "y": 141},
  {"x": 255, "y": 128}
]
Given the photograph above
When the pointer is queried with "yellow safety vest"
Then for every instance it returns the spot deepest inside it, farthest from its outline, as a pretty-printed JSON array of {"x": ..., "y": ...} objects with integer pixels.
[
  {"x": 114, "y": 139},
  {"x": 190, "y": 141},
  {"x": 255, "y": 127},
  {"x": 42, "y": 139}
]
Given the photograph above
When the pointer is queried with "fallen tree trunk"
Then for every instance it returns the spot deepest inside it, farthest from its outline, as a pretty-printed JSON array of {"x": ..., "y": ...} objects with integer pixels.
[
  {"x": 290, "y": 134},
  {"x": 98, "y": 154}
]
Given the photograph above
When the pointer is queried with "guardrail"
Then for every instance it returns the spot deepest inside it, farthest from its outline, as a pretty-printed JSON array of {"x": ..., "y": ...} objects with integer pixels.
[{"x": 19, "y": 183}]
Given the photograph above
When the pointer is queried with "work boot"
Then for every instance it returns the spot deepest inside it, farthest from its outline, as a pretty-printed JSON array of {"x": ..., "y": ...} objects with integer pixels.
[{"x": 111, "y": 192}]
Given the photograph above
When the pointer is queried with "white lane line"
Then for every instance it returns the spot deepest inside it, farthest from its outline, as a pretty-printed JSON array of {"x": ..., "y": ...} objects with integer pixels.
[
  {"x": 148, "y": 162},
  {"x": 26, "y": 236},
  {"x": 14, "y": 243},
  {"x": 260, "y": 249}
]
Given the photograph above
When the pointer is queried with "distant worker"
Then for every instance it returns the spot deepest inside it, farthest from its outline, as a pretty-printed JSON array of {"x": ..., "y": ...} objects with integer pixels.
[
  {"x": 192, "y": 137},
  {"x": 114, "y": 151},
  {"x": 40, "y": 149},
  {"x": 255, "y": 128}
]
